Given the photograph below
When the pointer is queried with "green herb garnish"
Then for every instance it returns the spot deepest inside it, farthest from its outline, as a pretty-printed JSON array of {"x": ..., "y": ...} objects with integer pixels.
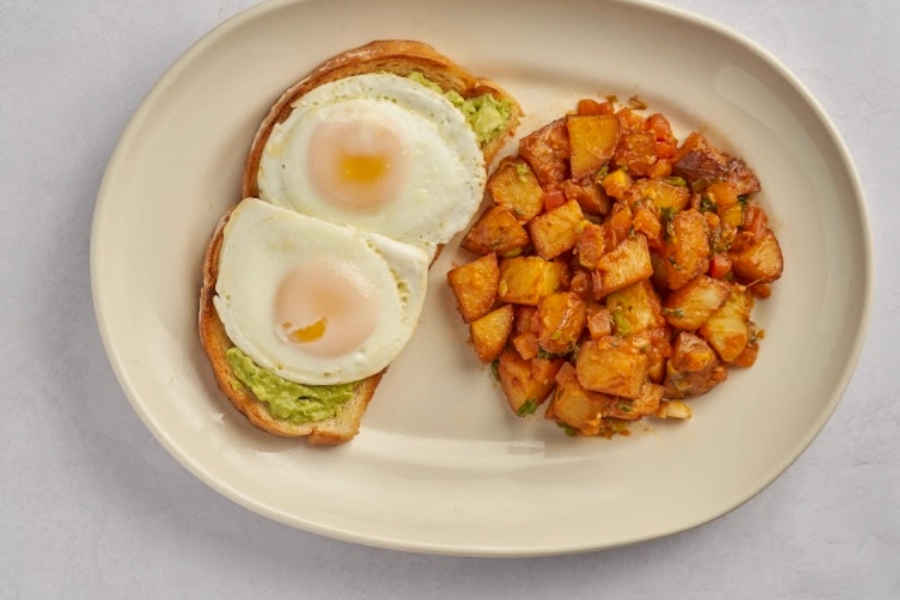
[
  {"x": 528, "y": 407},
  {"x": 570, "y": 431},
  {"x": 678, "y": 313},
  {"x": 707, "y": 204},
  {"x": 495, "y": 369},
  {"x": 679, "y": 181}
]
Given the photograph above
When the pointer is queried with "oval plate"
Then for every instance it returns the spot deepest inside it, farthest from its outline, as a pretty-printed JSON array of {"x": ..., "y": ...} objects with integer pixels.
[{"x": 441, "y": 465}]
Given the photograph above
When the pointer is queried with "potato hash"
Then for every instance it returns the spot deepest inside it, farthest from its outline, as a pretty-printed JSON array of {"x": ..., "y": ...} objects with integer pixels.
[{"x": 617, "y": 270}]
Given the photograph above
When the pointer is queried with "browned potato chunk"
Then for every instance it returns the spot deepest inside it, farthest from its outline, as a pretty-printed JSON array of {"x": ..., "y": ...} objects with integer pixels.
[
  {"x": 593, "y": 140},
  {"x": 475, "y": 286},
  {"x": 590, "y": 196},
  {"x": 687, "y": 248},
  {"x": 575, "y": 406},
  {"x": 527, "y": 279},
  {"x": 547, "y": 151},
  {"x": 496, "y": 231},
  {"x": 526, "y": 320},
  {"x": 699, "y": 162},
  {"x": 626, "y": 264},
  {"x": 612, "y": 366},
  {"x": 693, "y": 368},
  {"x": 523, "y": 391},
  {"x": 690, "y": 306},
  {"x": 663, "y": 195},
  {"x": 514, "y": 186},
  {"x": 562, "y": 317},
  {"x": 490, "y": 333},
  {"x": 762, "y": 262},
  {"x": 636, "y": 152},
  {"x": 635, "y": 308},
  {"x": 556, "y": 231},
  {"x": 728, "y": 330},
  {"x": 526, "y": 344},
  {"x": 599, "y": 321},
  {"x": 645, "y": 404}
]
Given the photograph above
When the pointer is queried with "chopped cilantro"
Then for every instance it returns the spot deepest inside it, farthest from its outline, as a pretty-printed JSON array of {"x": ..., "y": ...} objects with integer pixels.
[
  {"x": 528, "y": 407},
  {"x": 495, "y": 369},
  {"x": 556, "y": 335},
  {"x": 624, "y": 406},
  {"x": 707, "y": 204},
  {"x": 570, "y": 431},
  {"x": 743, "y": 199},
  {"x": 544, "y": 354},
  {"x": 603, "y": 172},
  {"x": 678, "y": 313},
  {"x": 679, "y": 181}
]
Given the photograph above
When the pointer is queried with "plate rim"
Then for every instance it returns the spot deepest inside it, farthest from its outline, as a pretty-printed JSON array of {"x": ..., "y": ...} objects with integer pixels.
[{"x": 348, "y": 534}]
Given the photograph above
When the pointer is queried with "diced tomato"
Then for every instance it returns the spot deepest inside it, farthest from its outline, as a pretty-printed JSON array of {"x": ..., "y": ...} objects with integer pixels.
[
  {"x": 553, "y": 199},
  {"x": 646, "y": 221},
  {"x": 755, "y": 221},
  {"x": 719, "y": 266},
  {"x": 592, "y": 107},
  {"x": 761, "y": 290},
  {"x": 661, "y": 168},
  {"x": 630, "y": 120}
]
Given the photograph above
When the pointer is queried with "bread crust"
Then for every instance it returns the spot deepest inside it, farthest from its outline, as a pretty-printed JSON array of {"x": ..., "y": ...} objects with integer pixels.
[{"x": 397, "y": 56}]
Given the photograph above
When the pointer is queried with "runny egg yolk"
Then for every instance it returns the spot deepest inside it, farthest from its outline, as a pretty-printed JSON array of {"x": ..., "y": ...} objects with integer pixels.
[
  {"x": 325, "y": 307},
  {"x": 357, "y": 163}
]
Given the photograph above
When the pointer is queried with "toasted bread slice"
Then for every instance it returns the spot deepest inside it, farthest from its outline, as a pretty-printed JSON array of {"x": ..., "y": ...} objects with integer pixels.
[
  {"x": 396, "y": 56},
  {"x": 215, "y": 341},
  {"x": 402, "y": 58}
]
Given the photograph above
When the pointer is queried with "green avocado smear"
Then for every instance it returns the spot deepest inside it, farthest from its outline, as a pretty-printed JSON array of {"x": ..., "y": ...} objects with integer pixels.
[
  {"x": 486, "y": 115},
  {"x": 286, "y": 400}
]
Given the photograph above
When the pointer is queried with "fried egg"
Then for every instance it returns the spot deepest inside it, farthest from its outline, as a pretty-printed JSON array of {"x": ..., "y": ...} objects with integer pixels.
[
  {"x": 378, "y": 151},
  {"x": 314, "y": 302}
]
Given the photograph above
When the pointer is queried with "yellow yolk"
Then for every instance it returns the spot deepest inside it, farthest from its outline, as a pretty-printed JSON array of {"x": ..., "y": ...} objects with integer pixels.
[
  {"x": 365, "y": 168},
  {"x": 357, "y": 164},
  {"x": 326, "y": 307},
  {"x": 306, "y": 334}
]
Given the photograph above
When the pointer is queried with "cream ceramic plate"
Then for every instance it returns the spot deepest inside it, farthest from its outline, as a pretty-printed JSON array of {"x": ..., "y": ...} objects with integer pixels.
[{"x": 440, "y": 464}]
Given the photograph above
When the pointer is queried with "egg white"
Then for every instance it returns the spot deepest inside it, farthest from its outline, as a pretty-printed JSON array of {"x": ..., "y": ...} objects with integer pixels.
[
  {"x": 445, "y": 181},
  {"x": 263, "y": 242}
]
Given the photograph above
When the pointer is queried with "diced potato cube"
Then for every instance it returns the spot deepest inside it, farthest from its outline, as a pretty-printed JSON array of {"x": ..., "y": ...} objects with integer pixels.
[
  {"x": 693, "y": 369},
  {"x": 490, "y": 333},
  {"x": 636, "y": 152},
  {"x": 691, "y": 305},
  {"x": 590, "y": 196},
  {"x": 673, "y": 409},
  {"x": 593, "y": 140},
  {"x": 514, "y": 186},
  {"x": 645, "y": 404},
  {"x": 612, "y": 366},
  {"x": 562, "y": 317},
  {"x": 727, "y": 330},
  {"x": 687, "y": 248},
  {"x": 523, "y": 392},
  {"x": 761, "y": 262},
  {"x": 544, "y": 370},
  {"x": 496, "y": 231},
  {"x": 635, "y": 308},
  {"x": 590, "y": 246},
  {"x": 556, "y": 231},
  {"x": 527, "y": 279},
  {"x": 575, "y": 406},
  {"x": 626, "y": 264},
  {"x": 698, "y": 161},
  {"x": 547, "y": 151},
  {"x": 662, "y": 194},
  {"x": 599, "y": 321},
  {"x": 475, "y": 286},
  {"x": 526, "y": 344}
]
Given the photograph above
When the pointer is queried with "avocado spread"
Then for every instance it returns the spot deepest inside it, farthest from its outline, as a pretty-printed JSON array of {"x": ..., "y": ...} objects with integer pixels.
[
  {"x": 286, "y": 400},
  {"x": 485, "y": 114}
]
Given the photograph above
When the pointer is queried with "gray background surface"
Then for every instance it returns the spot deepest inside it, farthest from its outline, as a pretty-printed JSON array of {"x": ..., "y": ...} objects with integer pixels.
[{"x": 91, "y": 506}]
